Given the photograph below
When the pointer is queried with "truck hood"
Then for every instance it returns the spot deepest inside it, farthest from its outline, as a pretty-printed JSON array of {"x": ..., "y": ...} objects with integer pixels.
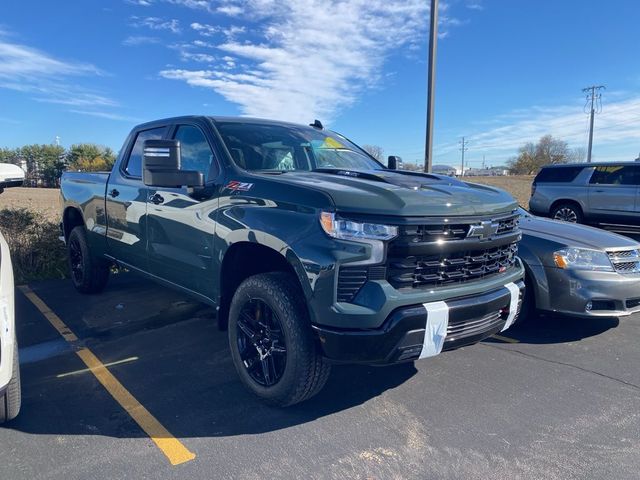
[
  {"x": 571, "y": 234},
  {"x": 399, "y": 193}
]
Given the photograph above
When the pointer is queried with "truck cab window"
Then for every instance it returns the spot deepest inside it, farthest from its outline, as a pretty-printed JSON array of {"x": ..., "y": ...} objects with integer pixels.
[
  {"x": 195, "y": 151},
  {"x": 134, "y": 165}
]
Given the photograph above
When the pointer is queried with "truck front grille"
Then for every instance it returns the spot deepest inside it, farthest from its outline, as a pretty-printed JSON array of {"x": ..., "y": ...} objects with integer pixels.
[
  {"x": 438, "y": 254},
  {"x": 456, "y": 267}
]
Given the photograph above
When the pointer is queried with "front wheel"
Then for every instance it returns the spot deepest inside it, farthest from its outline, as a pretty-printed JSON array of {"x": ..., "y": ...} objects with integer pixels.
[
  {"x": 271, "y": 341},
  {"x": 89, "y": 274}
]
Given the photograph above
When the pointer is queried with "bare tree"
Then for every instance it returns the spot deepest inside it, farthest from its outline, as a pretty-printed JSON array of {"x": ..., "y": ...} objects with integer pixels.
[
  {"x": 375, "y": 151},
  {"x": 548, "y": 151}
]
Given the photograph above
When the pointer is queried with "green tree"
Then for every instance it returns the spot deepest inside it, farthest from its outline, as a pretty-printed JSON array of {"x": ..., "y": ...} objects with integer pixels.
[
  {"x": 45, "y": 162},
  {"x": 89, "y": 157}
]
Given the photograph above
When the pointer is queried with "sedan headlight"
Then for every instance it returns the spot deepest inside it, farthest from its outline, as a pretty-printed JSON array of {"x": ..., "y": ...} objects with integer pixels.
[
  {"x": 372, "y": 234},
  {"x": 348, "y": 230},
  {"x": 583, "y": 259}
]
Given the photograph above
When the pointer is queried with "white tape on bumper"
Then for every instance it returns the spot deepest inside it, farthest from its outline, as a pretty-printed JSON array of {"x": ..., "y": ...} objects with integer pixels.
[
  {"x": 436, "y": 328},
  {"x": 513, "y": 305}
]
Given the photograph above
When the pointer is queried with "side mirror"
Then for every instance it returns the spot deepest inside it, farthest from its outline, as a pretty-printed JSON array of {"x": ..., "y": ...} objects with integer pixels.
[
  {"x": 394, "y": 162},
  {"x": 161, "y": 166}
]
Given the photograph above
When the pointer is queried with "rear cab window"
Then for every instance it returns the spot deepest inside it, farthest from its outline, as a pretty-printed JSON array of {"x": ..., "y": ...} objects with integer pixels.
[
  {"x": 134, "y": 163},
  {"x": 616, "y": 175},
  {"x": 557, "y": 174}
]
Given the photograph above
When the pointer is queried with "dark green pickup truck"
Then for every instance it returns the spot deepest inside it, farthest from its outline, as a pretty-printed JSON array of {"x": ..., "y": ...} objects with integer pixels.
[{"x": 312, "y": 251}]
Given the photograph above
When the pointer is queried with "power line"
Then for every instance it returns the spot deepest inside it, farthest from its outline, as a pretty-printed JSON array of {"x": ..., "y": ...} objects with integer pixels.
[{"x": 596, "y": 98}]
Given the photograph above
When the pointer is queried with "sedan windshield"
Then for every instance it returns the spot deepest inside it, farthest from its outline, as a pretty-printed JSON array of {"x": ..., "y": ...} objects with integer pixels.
[{"x": 265, "y": 147}]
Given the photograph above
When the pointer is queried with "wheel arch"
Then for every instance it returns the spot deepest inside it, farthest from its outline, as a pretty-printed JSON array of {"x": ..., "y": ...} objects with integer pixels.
[
  {"x": 244, "y": 259},
  {"x": 571, "y": 201},
  {"x": 71, "y": 218}
]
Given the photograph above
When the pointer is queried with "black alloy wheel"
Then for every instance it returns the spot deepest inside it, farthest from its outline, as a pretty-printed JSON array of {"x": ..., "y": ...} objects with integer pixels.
[{"x": 261, "y": 342}]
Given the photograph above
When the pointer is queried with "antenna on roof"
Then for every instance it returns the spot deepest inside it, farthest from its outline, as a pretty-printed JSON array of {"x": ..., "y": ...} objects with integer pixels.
[{"x": 317, "y": 124}]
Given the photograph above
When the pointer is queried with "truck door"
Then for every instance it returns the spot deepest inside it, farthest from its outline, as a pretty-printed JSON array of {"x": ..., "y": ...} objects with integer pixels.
[
  {"x": 126, "y": 203},
  {"x": 180, "y": 223},
  {"x": 612, "y": 193}
]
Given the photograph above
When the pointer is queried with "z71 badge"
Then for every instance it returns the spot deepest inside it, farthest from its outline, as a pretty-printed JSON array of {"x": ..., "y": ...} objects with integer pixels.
[{"x": 239, "y": 186}]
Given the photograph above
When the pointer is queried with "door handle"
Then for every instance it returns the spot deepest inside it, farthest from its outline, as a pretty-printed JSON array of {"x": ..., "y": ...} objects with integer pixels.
[
  {"x": 599, "y": 191},
  {"x": 156, "y": 199},
  {"x": 114, "y": 193}
]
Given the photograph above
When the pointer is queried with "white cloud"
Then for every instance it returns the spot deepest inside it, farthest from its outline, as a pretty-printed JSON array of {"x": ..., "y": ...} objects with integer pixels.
[
  {"x": 204, "y": 29},
  {"x": 107, "y": 115},
  {"x": 156, "y": 23},
  {"x": 22, "y": 63},
  {"x": 136, "y": 40},
  {"x": 618, "y": 124},
  {"x": 46, "y": 78},
  {"x": 312, "y": 58},
  {"x": 197, "y": 57},
  {"x": 141, "y": 3},
  {"x": 475, "y": 5}
]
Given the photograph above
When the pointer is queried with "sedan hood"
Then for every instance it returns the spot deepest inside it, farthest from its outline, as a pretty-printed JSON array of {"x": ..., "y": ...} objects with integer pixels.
[
  {"x": 573, "y": 235},
  {"x": 402, "y": 193}
]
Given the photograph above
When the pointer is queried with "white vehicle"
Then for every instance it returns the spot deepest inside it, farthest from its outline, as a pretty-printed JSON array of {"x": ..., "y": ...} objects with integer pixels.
[
  {"x": 10, "y": 176},
  {"x": 10, "y": 396}
]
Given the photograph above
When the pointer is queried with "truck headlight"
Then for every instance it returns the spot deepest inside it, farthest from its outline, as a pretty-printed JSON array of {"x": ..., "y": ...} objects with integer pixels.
[
  {"x": 583, "y": 259},
  {"x": 372, "y": 234},
  {"x": 348, "y": 230}
]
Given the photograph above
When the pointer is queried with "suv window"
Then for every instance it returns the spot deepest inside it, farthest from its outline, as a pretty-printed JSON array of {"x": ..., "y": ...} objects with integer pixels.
[
  {"x": 134, "y": 165},
  {"x": 195, "y": 151},
  {"x": 558, "y": 174},
  {"x": 616, "y": 175}
]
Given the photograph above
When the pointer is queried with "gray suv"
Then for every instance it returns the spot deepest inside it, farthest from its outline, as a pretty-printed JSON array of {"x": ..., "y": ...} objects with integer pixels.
[{"x": 595, "y": 193}]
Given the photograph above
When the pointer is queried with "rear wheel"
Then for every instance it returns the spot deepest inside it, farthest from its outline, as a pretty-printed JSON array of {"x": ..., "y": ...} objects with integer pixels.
[
  {"x": 89, "y": 274},
  {"x": 11, "y": 400},
  {"x": 567, "y": 212},
  {"x": 271, "y": 341}
]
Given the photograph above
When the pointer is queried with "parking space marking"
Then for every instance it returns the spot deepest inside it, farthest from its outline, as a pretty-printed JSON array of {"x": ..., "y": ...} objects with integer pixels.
[
  {"x": 506, "y": 339},
  {"x": 173, "y": 449}
]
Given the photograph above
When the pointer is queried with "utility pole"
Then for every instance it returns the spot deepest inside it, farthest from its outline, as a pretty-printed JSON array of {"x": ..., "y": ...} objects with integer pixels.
[
  {"x": 592, "y": 93},
  {"x": 431, "y": 88},
  {"x": 463, "y": 149}
]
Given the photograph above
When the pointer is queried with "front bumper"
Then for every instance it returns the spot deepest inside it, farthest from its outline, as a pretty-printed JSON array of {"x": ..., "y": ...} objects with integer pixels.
[
  {"x": 400, "y": 338},
  {"x": 612, "y": 294}
]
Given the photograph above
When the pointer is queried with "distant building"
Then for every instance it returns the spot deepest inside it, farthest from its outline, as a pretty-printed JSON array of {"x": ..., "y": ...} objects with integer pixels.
[{"x": 443, "y": 170}]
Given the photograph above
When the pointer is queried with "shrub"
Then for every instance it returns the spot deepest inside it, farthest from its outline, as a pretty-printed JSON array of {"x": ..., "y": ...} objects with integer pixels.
[{"x": 36, "y": 251}]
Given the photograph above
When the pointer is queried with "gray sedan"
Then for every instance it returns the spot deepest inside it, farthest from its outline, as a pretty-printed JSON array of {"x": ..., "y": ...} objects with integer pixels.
[{"x": 578, "y": 270}]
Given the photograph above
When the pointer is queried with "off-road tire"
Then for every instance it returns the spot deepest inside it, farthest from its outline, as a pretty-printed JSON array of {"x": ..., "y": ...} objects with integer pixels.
[
  {"x": 92, "y": 273},
  {"x": 305, "y": 371}
]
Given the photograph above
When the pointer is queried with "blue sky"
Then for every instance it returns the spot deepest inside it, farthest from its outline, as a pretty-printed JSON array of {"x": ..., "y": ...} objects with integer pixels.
[{"x": 508, "y": 71}]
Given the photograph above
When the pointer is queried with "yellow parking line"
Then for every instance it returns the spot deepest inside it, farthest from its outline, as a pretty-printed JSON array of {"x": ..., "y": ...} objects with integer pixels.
[
  {"x": 506, "y": 339},
  {"x": 174, "y": 450}
]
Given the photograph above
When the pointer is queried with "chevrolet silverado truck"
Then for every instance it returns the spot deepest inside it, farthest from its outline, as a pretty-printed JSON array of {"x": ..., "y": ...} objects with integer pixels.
[{"x": 312, "y": 252}]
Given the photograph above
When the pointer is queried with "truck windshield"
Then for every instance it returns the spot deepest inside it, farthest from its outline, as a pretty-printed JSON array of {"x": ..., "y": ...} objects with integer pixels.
[{"x": 264, "y": 147}]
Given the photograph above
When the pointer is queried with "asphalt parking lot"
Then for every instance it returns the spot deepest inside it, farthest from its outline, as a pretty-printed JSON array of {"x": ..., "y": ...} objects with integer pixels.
[{"x": 558, "y": 398}]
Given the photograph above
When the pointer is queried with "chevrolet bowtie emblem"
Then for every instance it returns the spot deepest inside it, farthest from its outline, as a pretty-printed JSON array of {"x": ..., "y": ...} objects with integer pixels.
[{"x": 484, "y": 230}]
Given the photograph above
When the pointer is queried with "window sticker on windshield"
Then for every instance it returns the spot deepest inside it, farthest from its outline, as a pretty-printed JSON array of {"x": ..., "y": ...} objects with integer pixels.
[{"x": 331, "y": 143}]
